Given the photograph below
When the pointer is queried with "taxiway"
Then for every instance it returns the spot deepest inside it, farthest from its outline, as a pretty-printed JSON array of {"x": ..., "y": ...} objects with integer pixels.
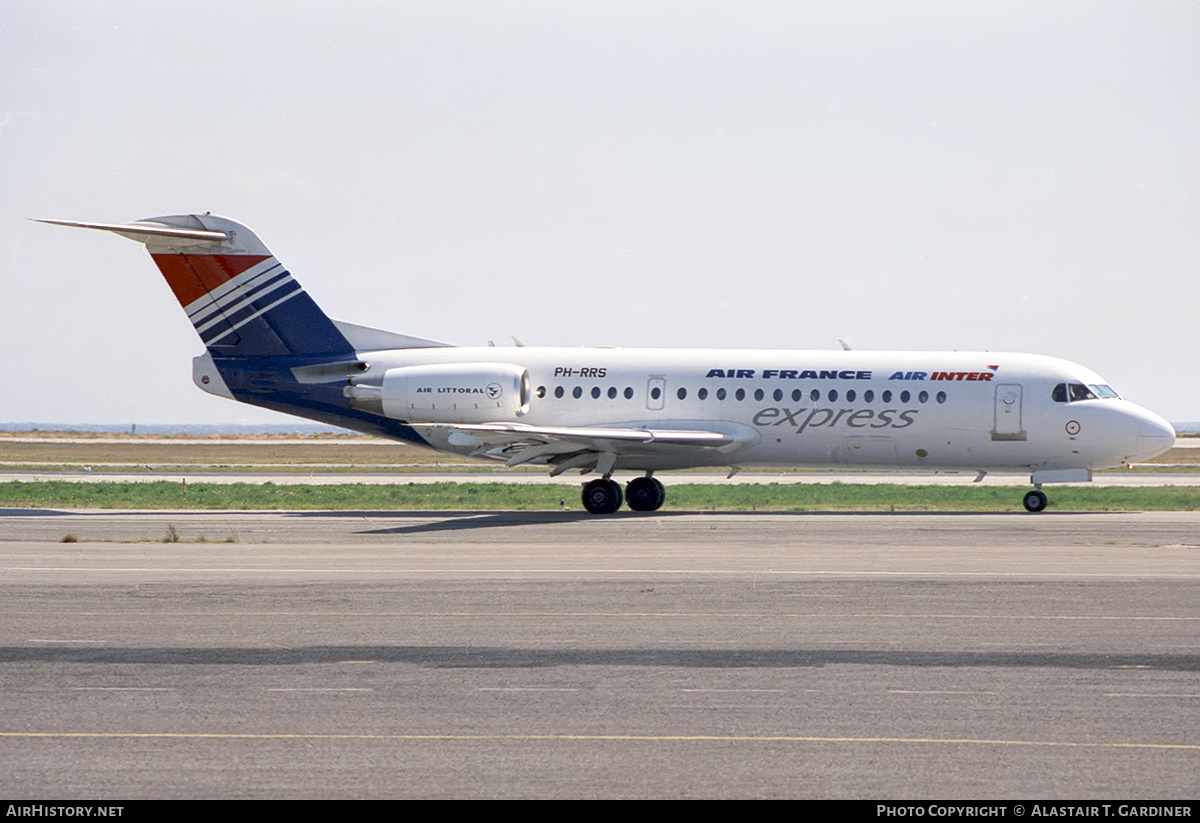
[{"x": 384, "y": 654}]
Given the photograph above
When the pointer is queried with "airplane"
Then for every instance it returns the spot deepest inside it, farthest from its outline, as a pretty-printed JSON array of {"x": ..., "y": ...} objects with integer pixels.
[{"x": 608, "y": 410}]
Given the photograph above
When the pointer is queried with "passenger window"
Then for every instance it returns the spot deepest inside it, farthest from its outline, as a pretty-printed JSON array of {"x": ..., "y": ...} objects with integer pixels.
[
  {"x": 887, "y": 396},
  {"x": 941, "y": 397},
  {"x": 702, "y": 394},
  {"x": 558, "y": 392},
  {"x": 577, "y": 392},
  {"x": 541, "y": 391},
  {"x": 628, "y": 393},
  {"x": 741, "y": 394},
  {"x": 868, "y": 396},
  {"x": 816, "y": 395},
  {"x": 595, "y": 392},
  {"x": 720, "y": 394},
  {"x": 655, "y": 393},
  {"x": 681, "y": 394},
  {"x": 833, "y": 395},
  {"x": 612, "y": 392},
  {"x": 904, "y": 396},
  {"x": 850, "y": 396},
  {"x": 797, "y": 396},
  {"x": 778, "y": 395}
]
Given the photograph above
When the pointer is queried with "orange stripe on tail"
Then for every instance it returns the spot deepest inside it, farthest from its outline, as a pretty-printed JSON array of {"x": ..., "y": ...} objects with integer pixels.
[{"x": 191, "y": 276}]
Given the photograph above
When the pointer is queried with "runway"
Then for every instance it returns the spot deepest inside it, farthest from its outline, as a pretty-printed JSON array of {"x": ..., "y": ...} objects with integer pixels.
[
  {"x": 376, "y": 478},
  {"x": 380, "y": 654}
]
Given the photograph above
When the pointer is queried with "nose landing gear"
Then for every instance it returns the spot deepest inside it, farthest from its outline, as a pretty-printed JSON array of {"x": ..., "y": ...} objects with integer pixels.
[{"x": 1035, "y": 501}]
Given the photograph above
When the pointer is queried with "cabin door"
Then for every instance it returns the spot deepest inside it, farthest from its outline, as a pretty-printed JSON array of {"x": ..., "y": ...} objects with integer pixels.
[{"x": 1008, "y": 413}]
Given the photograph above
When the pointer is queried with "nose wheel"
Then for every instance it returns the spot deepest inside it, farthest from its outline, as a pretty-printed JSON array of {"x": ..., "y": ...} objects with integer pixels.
[{"x": 1035, "y": 501}]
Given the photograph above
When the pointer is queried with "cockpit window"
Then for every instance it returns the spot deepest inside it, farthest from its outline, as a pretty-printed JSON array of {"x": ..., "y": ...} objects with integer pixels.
[
  {"x": 1078, "y": 391},
  {"x": 1070, "y": 392}
]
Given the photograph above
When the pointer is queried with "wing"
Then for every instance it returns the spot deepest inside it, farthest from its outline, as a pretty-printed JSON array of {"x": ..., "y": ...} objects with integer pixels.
[{"x": 582, "y": 447}]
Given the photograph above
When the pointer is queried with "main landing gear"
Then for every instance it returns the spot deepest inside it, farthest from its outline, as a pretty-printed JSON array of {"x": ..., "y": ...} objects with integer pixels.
[
  {"x": 602, "y": 496},
  {"x": 643, "y": 494},
  {"x": 1035, "y": 501}
]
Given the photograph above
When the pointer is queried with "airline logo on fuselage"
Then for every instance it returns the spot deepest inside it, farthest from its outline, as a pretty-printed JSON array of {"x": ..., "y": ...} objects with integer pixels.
[
  {"x": 492, "y": 390},
  {"x": 852, "y": 418},
  {"x": 846, "y": 374},
  {"x": 793, "y": 374},
  {"x": 942, "y": 375}
]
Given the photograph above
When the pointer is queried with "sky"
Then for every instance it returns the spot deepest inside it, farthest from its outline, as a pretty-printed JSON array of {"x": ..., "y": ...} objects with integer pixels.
[{"x": 1003, "y": 176}]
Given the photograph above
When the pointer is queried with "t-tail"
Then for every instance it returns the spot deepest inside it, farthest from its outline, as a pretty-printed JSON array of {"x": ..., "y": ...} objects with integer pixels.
[
  {"x": 267, "y": 342},
  {"x": 240, "y": 299}
]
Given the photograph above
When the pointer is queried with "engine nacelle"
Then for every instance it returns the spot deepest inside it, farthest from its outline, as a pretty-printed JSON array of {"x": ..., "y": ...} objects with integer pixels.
[{"x": 445, "y": 393}]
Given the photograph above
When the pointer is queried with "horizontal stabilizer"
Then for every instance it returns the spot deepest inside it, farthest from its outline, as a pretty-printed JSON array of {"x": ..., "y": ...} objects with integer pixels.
[{"x": 143, "y": 232}]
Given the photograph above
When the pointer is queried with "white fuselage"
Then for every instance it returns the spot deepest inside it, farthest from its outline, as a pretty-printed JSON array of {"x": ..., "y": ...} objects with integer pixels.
[{"x": 913, "y": 410}]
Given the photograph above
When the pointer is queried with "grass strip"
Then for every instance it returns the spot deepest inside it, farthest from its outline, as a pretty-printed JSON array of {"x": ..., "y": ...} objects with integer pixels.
[{"x": 540, "y": 497}]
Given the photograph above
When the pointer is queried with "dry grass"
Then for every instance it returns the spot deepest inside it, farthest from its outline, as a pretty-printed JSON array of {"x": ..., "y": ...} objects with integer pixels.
[
  {"x": 121, "y": 452},
  {"x": 326, "y": 452}
]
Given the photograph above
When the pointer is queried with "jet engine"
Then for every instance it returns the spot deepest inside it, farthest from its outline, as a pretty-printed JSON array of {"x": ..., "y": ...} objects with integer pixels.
[{"x": 444, "y": 393}]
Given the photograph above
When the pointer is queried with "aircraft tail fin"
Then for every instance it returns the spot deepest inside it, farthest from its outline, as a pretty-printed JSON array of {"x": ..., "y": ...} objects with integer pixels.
[{"x": 240, "y": 299}]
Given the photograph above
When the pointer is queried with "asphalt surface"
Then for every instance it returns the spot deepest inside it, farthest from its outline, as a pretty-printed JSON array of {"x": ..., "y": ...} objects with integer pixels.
[
  {"x": 381, "y": 654},
  {"x": 574, "y": 480}
]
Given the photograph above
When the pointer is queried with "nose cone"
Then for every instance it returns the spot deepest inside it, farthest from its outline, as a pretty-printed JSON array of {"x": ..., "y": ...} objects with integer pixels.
[{"x": 1154, "y": 436}]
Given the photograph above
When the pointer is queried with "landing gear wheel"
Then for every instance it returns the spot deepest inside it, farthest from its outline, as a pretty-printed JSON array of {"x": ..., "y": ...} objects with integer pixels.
[
  {"x": 1035, "y": 501},
  {"x": 602, "y": 496},
  {"x": 645, "y": 494}
]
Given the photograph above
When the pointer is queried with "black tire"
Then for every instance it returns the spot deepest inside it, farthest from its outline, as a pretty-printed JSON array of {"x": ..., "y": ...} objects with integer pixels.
[
  {"x": 645, "y": 494},
  {"x": 602, "y": 496},
  {"x": 1035, "y": 501}
]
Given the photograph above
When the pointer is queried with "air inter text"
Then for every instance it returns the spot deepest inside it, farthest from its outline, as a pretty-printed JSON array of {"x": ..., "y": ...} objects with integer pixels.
[{"x": 847, "y": 374}]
